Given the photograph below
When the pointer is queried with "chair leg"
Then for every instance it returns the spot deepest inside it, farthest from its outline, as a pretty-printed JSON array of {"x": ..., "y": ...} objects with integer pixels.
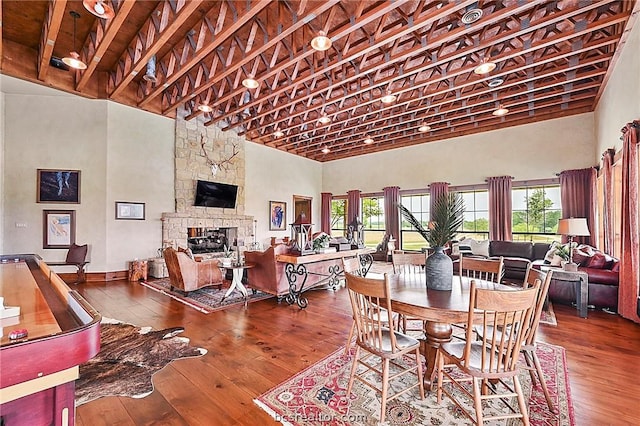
[
  {"x": 420, "y": 375},
  {"x": 385, "y": 388},
  {"x": 477, "y": 400},
  {"x": 354, "y": 368},
  {"x": 440, "y": 370},
  {"x": 351, "y": 331},
  {"x": 543, "y": 382},
  {"x": 521, "y": 403}
]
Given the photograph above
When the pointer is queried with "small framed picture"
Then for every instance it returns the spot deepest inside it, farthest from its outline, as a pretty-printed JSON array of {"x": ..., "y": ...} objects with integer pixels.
[
  {"x": 58, "y": 186},
  {"x": 58, "y": 228},
  {"x": 277, "y": 215},
  {"x": 129, "y": 211}
]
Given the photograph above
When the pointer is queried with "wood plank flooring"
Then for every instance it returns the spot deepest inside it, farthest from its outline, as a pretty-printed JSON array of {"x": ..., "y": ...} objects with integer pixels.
[{"x": 251, "y": 350}]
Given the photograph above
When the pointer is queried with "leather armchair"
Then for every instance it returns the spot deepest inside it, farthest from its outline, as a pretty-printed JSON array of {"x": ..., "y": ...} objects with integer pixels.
[
  {"x": 187, "y": 275},
  {"x": 267, "y": 275}
]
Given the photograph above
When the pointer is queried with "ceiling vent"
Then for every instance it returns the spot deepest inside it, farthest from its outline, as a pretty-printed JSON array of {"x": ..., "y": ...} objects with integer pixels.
[{"x": 471, "y": 16}]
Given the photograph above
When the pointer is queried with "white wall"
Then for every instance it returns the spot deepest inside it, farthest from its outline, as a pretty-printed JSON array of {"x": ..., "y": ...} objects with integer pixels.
[
  {"x": 620, "y": 102},
  {"x": 273, "y": 175},
  {"x": 532, "y": 151},
  {"x": 113, "y": 147}
]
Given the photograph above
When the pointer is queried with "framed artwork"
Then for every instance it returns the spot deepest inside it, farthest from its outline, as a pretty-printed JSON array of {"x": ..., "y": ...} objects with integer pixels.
[
  {"x": 58, "y": 186},
  {"x": 129, "y": 211},
  {"x": 58, "y": 228},
  {"x": 302, "y": 206},
  {"x": 277, "y": 215}
]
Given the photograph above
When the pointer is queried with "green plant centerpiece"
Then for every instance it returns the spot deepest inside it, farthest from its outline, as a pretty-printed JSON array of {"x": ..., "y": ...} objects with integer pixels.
[
  {"x": 446, "y": 218},
  {"x": 227, "y": 256}
]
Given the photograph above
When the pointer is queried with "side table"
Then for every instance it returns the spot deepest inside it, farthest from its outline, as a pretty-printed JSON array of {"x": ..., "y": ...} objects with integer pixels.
[
  {"x": 238, "y": 271},
  {"x": 582, "y": 285},
  {"x": 138, "y": 270},
  {"x": 158, "y": 268}
]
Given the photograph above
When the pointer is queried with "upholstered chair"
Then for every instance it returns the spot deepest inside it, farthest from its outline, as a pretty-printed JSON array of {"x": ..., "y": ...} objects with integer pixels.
[
  {"x": 267, "y": 275},
  {"x": 187, "y": 275}
]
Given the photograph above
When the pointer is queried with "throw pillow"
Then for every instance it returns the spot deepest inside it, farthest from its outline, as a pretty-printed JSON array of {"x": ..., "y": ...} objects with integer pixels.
[
  {"x": 551, "y": 257},
  {"x": 598, "y": 261},
  {"x": 187, "y": 251},
  {"x": 581, "y": 256},
  {"x": 480, "y": 248},
  {"x": 464, "y": 246}
]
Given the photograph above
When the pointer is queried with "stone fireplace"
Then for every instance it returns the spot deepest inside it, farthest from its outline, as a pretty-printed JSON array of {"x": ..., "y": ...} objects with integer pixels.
[{"x": 181, "y": 228}]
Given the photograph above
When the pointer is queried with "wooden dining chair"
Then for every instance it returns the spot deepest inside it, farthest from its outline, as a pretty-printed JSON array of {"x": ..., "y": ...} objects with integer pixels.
[
  {"x": 492, "y": 357},
  {"x": 408, "y": 263},
  {"x": 482, "y": 269},
  {"x": 383, "y": 345}
]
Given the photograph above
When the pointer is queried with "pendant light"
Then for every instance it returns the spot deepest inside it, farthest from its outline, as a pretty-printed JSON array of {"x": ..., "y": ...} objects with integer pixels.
[
  {"x": 150, "y": 74},
  {"x": 321, "y": 42},
  {"x": 73, "y": 60},
  {"x": 100, "y": 8},
  {"x": 501, "y": 111}
]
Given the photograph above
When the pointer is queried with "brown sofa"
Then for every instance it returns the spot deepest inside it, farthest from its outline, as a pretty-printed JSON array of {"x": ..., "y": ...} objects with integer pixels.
[
  {"x": 267, "y": 275},
  {"x": 187, "y": 275}
]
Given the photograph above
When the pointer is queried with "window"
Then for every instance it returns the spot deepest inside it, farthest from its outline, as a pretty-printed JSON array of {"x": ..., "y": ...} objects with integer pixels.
[
  {"x": 617, "y": 209},
  {"x": 338, "y": 217},
  {"x": 476, "y": 215},
  {"x": 373, "y": 220},
  {"x": 419, "y": 206},
  {"x": 535, "y": 213}
]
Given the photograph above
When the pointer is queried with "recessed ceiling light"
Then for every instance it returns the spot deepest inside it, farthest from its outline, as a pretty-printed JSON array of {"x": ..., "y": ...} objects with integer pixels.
[
  {"x": 326, "y": 150},
  {"x": 500, "y": 111},
  {"x": 389, "y": 98},
  {"x": 495, "y": 82},
  {"x": 471, "y": 16},
  {"x": 424, "y": 128},
  {"x": 278, "y": 134},
  {"x": 205, "y": 108},
  {"x": 321, "y": 42},
  {"x": 324, "y": 119},
  {"x": 100, "y": 8},
  {"x": 368, "y": 141},
  {"x": 485, "y": 67},
  {"x": 250, "y": 82}
]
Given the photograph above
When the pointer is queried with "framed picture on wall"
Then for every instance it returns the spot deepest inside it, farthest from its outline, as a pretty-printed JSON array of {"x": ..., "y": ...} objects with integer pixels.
[
  {"x": 58, "y": 186},
  {"x": 129, "y": 211},
  {"x": 277, "y": 215},
  {"x": 58, "y": 228}
]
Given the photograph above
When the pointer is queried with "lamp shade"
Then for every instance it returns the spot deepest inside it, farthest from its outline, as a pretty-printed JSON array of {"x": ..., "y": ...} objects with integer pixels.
[{"x": 575, "y": 227}]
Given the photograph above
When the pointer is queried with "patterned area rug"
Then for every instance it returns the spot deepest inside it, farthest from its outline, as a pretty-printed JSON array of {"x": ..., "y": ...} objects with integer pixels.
[
  {"x": 317, "y": 396},
  {"x": 207, "y": 299},
  {"x": 129, "y": 356}
]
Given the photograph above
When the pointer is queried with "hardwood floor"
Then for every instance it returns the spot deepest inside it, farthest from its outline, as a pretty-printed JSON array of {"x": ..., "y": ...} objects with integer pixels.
[{"x": 252, "y": 350}]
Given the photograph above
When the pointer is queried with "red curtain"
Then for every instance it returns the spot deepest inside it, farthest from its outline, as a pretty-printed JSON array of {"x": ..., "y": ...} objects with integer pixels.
[
  {"x": 325, "y": 212},
  {"x": 436, "y": 190},
  {"x": 628, "y": 294},
  {"x": 353, "y": 205},
  {"x": 607, "y": 187},
  {"x": 577, "y": 189},
  {"x": 500, "y": 207},
  {"x": 391, "y": 211}
]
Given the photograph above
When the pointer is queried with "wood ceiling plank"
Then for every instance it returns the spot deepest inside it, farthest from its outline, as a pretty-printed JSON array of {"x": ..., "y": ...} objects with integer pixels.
[{"x": 49, "y": 35}]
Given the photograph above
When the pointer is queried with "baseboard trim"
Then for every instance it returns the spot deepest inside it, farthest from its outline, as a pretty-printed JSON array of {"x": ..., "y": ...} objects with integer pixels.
[{"x": 96, "y": 276}]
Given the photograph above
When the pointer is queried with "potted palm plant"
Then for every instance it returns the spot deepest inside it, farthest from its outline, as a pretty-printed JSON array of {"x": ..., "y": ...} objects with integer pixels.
[{"x": 446, "y": 218}]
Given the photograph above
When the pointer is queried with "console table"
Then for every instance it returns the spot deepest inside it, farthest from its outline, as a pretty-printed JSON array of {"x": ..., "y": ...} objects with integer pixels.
[
  {"x": 582, "y": 285},
  {"x": 326, "y": 266}
]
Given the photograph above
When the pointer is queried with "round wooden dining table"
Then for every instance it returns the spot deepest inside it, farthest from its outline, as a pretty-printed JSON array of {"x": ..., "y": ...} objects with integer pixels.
[{"x": 439, "y": 309}]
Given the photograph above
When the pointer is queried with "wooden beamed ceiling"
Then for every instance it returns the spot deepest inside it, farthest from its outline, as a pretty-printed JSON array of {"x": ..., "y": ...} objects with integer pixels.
[{"x": 553, "y": 59}]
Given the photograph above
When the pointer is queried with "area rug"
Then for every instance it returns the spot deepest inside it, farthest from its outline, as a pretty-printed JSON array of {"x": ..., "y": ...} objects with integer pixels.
[
  {"x": 129, "y": 356},
  {"x": 207, "y": 299},
  {"x": 317, "y": 396},
  {"x": 548, "y": 316}
]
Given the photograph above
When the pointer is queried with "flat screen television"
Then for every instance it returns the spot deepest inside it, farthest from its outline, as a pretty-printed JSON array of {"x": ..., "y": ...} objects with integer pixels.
[{"x": 215, "y": 194}]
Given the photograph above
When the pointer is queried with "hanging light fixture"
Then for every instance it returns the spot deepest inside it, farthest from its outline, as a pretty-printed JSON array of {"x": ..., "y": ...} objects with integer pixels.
[
  {"x": 424, "y": 128},
  {"x": 324, "y": 118},
  {"x": 205, "y": 107},
  {"x": 389, "y": 98},
  {"x": 278, "y": 134},
  {"x": 150, "y": 75},
  {"x": 100, "y": 8},
  {"x": 250, "y": 82},
  {"x": 500, "y": 111},
  {"x": 368, "y": 140},
  {"x": 326, "y": 150},
  {"x": 485, "y": 67},
  {"x": 321, "y": 42},
  {"x": 73, "y": 60}
]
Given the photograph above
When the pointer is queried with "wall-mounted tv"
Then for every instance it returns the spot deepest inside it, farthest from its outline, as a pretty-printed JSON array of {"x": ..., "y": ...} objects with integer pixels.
[{"x": 215, "y": 194}]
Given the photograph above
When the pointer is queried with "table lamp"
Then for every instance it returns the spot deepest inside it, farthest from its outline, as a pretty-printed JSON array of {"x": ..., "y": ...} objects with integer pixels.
[{"x": 573, "y": 227}]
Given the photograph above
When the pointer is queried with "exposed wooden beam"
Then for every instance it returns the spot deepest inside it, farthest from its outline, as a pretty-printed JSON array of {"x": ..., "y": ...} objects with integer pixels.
[
  {"x": 104, "y": 33},
  {"x": 49, "y": 35}
]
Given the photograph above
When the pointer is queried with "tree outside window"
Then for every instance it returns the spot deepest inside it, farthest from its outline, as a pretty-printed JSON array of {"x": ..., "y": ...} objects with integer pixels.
[
  {"x": 373, "y": 220},
  {"x": 535, "y": 213},
  {"x": 338, "y": 217}
]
